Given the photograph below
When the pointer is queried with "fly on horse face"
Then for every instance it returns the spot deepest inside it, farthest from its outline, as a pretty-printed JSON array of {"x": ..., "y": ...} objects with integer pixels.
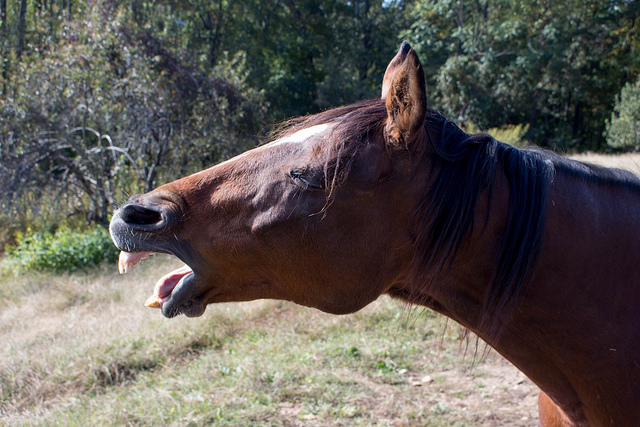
[{"x": 536, "y": 254}]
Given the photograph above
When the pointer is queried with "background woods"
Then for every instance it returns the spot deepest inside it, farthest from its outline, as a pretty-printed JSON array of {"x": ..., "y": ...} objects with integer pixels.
[{"x": 104, "y": 98}]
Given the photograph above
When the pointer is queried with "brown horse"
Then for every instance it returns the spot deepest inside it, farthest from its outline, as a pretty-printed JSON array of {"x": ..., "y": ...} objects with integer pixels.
[{"x": 534, "y": 253}]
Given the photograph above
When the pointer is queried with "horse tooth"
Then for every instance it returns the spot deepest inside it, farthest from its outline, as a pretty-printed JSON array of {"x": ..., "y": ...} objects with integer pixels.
[
  {"x": 125, "y": 266},
  {"x": 125, "y": 262}
]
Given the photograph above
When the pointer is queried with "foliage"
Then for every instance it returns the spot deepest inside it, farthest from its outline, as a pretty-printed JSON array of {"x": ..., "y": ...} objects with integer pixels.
[
  {"x": 306, "y": 55},
  {"x": 91, "y": 118},
  {"x": 64, "y": 250},
  {"x": 510, "y": 134},
  {"x": 100, "y": 100},
  {"x": 623, "y": 130},
  {"x": 553, "y": 66}
]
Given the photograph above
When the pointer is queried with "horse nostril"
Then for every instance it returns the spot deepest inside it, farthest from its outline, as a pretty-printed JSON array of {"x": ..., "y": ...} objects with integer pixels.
[{"x": 139, "y": 215}]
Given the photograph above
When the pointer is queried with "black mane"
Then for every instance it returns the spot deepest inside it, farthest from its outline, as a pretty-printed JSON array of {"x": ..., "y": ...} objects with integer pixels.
[{"x": 469, "y": 165}]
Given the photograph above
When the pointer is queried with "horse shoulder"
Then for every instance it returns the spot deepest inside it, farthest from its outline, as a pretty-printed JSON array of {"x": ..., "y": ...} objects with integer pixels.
[{"x": 550, "y": 414}]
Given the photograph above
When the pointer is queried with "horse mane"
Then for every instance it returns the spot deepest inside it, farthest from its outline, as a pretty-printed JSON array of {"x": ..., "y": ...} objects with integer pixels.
[
  {"x": 595, "y": 174},
  {"x": 468, "y": 165}
]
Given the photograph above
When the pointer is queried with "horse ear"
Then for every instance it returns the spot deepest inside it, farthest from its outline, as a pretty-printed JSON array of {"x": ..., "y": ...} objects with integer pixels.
[
  {"x": 404, "y": 88},
  {"x": 393, "y": 67}
]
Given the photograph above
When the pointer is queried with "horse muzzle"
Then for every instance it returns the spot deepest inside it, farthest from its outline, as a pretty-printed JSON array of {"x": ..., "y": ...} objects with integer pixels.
[{"x": 141, "y": 224}]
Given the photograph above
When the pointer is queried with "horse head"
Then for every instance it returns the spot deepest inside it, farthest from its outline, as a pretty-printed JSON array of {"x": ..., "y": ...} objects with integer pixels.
[{"x": 318, "y": 216}]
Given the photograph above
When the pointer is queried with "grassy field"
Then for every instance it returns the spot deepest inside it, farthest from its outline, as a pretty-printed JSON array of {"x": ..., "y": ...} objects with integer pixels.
[
  {"x": 627, "y": 161},
  {"x": 81, "y": 350}
]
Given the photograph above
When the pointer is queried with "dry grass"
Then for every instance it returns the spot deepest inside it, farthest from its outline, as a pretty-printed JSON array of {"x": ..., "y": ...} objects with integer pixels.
[
  {"x": 629, "y": 161},
  {"x": 81, "y": 350}
]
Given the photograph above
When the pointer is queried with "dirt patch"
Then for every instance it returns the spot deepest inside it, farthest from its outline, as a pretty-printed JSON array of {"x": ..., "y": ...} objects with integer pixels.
[
  {"x": 490, "y": 393},
  {"x": 494, "y": 393}
]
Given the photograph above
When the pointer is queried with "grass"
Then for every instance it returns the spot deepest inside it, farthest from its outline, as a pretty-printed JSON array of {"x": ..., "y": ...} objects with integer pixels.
[
  {"x": 630, "y": 161},
  {"x": 79, "y": 349}
]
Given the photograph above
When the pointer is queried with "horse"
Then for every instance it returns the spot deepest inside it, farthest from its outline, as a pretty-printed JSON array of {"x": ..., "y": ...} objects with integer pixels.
[{"x": 535, "y": 253}]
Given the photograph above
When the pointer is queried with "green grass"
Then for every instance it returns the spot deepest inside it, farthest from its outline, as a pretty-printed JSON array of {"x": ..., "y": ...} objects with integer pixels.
[{"x": 80, "y": 349}]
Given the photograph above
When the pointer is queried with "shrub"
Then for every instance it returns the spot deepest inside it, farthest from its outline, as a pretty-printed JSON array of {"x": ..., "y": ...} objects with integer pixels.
[
  {"x": 510, "y": 134},
  {"x": 623, "y": 131},
  {"x": 65, "y": 250}
]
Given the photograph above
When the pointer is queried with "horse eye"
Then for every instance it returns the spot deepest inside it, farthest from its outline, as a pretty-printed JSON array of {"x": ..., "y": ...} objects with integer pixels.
[{"x": 307, "y": 180}]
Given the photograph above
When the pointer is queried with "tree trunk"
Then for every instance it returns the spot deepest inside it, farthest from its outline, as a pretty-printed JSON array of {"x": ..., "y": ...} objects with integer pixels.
[
  {"x": 4, "y": 61},
  {"x": 3, "y": 18},
  {"x": 22, "y": 27}
]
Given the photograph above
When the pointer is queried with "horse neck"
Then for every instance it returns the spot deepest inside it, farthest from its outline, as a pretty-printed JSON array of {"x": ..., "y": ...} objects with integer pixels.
[
  {"x": 581, "y": 301},
  {"x": 460, "y": 294}
]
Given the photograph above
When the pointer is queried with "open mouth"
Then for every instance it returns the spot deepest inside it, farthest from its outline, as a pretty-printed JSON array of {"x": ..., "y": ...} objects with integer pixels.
[
  {"x": 165, "y": 285},
  {"x": 146, "y": 225}
]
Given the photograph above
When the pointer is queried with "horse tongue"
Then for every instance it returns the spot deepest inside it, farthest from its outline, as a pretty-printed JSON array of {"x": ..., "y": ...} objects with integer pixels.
[{"x": 168, "y": 282}]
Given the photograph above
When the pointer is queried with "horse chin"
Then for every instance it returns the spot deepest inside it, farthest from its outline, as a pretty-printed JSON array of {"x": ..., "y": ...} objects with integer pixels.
[{"x": 182, "y": 300}]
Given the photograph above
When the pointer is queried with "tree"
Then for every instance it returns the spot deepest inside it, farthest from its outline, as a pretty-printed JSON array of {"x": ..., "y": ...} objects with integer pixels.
[
  {"x": 311, "y": 55},
  {"x": 108, "y": 111},
  {"x": 555, "y": 67},
  {"x": 623, "y": 130}
]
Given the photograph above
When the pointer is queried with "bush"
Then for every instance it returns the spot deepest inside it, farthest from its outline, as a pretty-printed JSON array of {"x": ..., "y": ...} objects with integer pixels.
[
  {"x": 510, "y": 134},
  {"x": 65, "y": 250},
  {"x": 623, "y": 131}
]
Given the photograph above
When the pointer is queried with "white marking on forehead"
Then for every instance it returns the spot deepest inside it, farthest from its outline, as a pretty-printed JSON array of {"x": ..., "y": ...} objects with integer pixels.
[
  {"x": 302, "y": 135},
  {"x": 295, "y": 138}
]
